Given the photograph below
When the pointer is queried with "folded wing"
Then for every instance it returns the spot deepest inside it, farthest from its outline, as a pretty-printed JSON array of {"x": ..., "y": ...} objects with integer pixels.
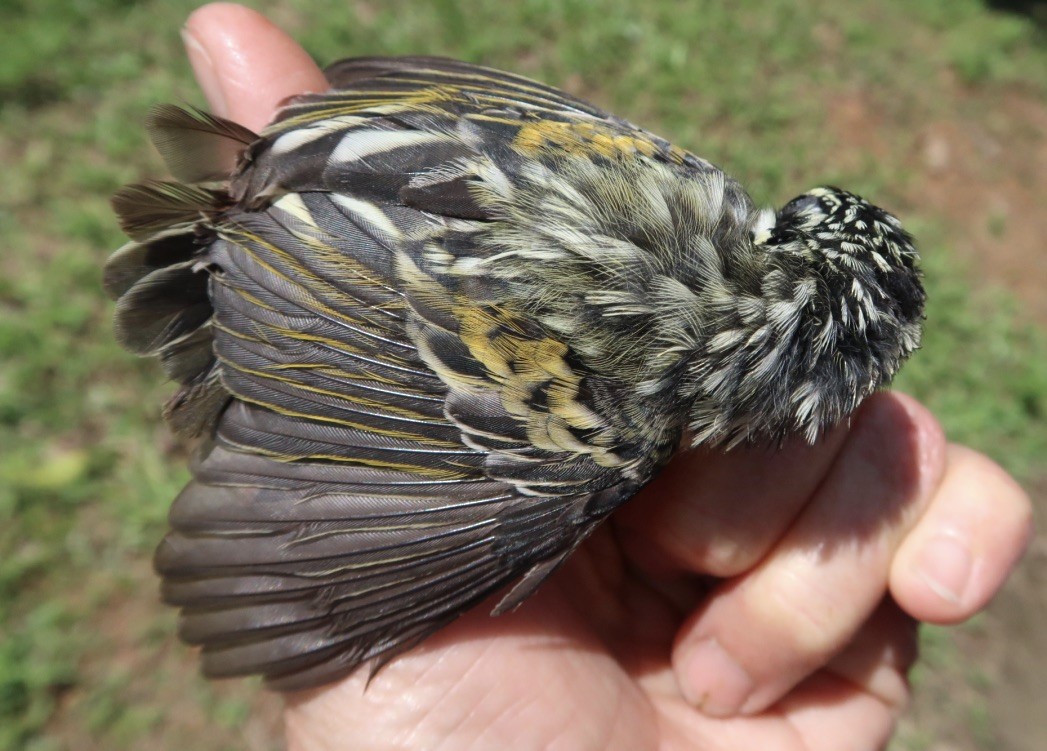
[{"x": 384, "y": 450}]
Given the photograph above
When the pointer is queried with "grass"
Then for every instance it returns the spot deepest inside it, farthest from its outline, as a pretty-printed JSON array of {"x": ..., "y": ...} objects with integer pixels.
[{"x": 86, "y": 471}]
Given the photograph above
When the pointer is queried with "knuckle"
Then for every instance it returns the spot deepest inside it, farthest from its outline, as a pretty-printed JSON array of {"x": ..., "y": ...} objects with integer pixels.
[{"x": 810, "y": 612}]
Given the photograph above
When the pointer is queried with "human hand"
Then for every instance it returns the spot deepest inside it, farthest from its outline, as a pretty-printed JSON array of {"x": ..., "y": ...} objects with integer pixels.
[{"x": 810, "y": 566}]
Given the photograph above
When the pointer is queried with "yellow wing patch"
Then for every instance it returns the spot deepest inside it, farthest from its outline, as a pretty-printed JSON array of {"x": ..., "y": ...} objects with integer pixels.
[
  {"x": 528, "y": 370},
  {"x": 534, "y": 380},
  {"x": 590, "y": 138},
  {"x": 579, "y": 138}
]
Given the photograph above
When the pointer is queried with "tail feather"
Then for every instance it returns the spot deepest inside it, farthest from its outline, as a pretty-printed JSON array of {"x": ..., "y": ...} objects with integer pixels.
[
  {"x": 136, "y": 260},
  {"x": 147, "y": 209},
  {"x": 195, "y": 408},
  {"x": 196, "y": 146},
  {"x": 161, "y": 308},
  {"x": 185, "y": 359}
]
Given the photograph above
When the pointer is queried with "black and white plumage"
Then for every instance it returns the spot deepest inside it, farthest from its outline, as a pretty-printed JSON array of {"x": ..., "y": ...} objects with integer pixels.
[{"x": 436, "y": 324}]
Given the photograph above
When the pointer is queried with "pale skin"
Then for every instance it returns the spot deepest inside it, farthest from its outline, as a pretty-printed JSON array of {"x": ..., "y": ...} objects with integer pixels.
[{"x": 750, "y": 600}]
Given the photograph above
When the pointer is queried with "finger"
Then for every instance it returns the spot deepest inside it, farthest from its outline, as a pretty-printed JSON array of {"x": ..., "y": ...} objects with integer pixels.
[
  {"x": 761, "y": 634},
  {"x": 718, "y": 513},
  {"x": 828, "y": 713},
  {"x": 246, "y": 65},
  {"x": 855, "y": 702},
  {"x": 964, "y": 547},
  {"x": 879, "y": 657}
]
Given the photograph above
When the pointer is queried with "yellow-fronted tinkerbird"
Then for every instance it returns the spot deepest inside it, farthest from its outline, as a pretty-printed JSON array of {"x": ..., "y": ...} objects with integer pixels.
[{"x": 435, "y": 324}]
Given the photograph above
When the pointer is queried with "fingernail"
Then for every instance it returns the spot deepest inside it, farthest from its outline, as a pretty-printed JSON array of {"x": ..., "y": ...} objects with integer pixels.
[
  {"x": 714, "y": 682},
  {"x": 205, "y": 72},
  {"x": 945, "y": 565}
]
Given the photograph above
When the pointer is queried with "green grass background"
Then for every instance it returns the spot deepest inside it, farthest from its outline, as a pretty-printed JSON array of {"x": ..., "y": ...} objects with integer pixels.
[{"x": 87, "y": 471}]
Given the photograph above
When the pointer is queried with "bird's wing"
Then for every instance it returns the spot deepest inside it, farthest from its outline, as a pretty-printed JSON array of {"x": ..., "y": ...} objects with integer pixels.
[
  {"x": 386, "y": 449},
  {"x": 403, "y": 97},
  {"x": 365, "y": 78}
]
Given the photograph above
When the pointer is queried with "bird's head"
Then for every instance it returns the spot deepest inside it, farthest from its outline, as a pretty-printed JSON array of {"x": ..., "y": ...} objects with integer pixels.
[{"x": 837, "y": 308}]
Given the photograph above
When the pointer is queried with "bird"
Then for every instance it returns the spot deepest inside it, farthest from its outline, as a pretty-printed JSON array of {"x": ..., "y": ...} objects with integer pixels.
[{"x": 432, "y": 326}]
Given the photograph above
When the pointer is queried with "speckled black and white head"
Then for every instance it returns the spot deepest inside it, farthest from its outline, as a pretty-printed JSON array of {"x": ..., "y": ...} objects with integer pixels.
[{"x": 838, "y": 308}]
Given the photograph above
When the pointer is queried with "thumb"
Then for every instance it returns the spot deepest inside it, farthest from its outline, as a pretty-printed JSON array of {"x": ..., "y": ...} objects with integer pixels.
[{"x": 245, "y": 64}]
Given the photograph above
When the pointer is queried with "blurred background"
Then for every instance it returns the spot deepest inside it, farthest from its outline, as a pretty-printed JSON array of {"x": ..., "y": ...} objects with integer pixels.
[{"x": 937, "y": 111}]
